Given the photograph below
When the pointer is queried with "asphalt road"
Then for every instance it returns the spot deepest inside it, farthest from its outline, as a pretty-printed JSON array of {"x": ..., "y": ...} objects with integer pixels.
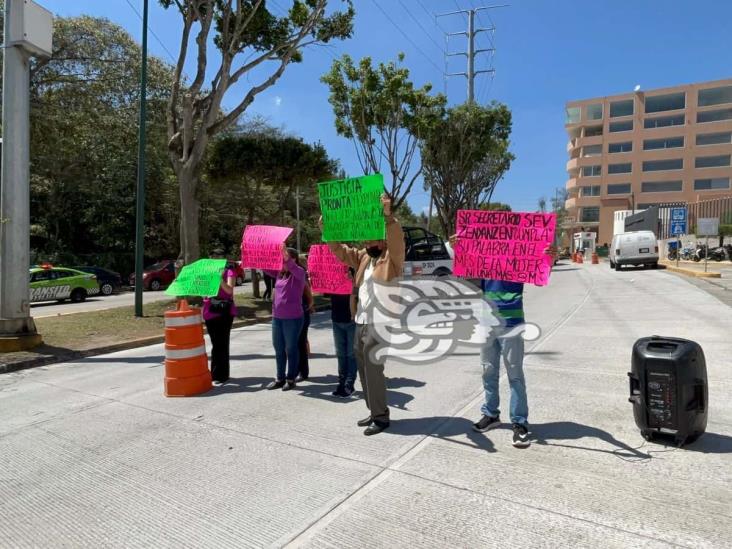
[
  {"x": 93, "y": 455},
  {"x": 98, "y": 303}
]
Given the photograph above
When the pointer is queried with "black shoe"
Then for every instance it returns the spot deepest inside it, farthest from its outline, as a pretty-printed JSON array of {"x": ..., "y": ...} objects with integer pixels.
[
  {"x": 301, "y": 378},
  {"x": 375, "y": 428},
  {"x": 521, "y": 436},
  {"x": 486, "y": 423},
  {"x": 349, "y": 389},
  {"x": 276, "y": 384},
  {"x": 340, "y": 392},
  {"x": 289, "y": 384},
  {"x": 365, "y": 422}
]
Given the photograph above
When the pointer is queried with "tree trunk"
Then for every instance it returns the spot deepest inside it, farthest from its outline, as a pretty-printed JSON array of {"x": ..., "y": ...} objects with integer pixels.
[{"x": 190, "y": 248}]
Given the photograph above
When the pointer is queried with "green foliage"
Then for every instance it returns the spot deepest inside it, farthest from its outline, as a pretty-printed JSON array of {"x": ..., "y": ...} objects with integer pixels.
[
  {"x": 385, "y": 115},
  {"x": 465, "y": 154},
  {"x": 84, "y": 119},
  {"x": 495, "y": 206}
]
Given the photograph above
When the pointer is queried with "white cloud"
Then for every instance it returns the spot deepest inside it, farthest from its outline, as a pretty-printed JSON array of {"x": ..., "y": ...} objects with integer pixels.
[{"x": 277, "y": 101}]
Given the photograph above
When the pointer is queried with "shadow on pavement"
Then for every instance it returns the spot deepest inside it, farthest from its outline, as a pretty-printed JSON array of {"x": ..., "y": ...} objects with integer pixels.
[
  {"x": 443, "y": 427},
  {"x": 239, "y": 385},
  {"x": 546, "y": 433},
  {"x": 322, "y": 387},
  {"x": 156, "y": 360},
  {"x": 711, "y": 443}
]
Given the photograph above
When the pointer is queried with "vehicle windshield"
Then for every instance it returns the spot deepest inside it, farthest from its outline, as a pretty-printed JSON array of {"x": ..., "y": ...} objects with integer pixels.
[{"x": 157, "y": 266}]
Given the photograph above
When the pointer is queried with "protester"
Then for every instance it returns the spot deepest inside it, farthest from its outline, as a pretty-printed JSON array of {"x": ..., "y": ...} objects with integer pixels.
[
  {"x": 379, "y": 261},
  {"x": 344, "y": 335},
  {"x": 287, "y": 318},
  {"x": 219, "y": 313},
  {"x": 308, "y": 307},
  {"x": 268, "y": 280},
  {"x": 508, "y": 300}
]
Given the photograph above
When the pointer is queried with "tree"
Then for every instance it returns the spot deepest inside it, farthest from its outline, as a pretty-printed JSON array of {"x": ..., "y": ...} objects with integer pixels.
[
  {"x": 542, "y": 204},
  {"x": 558, "y": 200},
  {"x": 495, "y": 207},
  {"x": 385, "y": 116},
  {"x": 84, "y": 109},
  {"x": 465, "y": 155},
  {"x": 249, "y": 39}
]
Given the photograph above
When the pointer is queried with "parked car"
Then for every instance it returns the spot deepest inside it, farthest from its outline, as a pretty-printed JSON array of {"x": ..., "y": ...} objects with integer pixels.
[
  {"x": 243, "y": 274},
  {"x": 157, "y": 276},
  {"x": 426, "y": 253},
  {"x": 634, "y": 248},
  {"x": 49, "y": 283},
  {"x": 109, "y": 281}
]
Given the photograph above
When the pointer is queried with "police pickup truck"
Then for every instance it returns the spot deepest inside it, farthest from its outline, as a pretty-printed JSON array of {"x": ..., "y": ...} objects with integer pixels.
[{"x": 426, "y": 253}]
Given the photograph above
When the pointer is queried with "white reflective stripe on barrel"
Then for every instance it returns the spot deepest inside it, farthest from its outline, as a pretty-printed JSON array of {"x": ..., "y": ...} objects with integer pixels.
[
  {"x": 185, "y": 353},
  {"x": 174, "y": 321}
]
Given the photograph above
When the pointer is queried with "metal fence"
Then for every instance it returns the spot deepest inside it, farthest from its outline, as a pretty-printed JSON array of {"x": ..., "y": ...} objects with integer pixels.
[{"x": 720, "y": 208}]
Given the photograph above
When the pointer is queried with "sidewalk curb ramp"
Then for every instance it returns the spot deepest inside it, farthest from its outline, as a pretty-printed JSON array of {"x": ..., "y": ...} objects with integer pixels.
[
  {"x": 690, "y": 272},
  {"x": 117, "y": 347}
]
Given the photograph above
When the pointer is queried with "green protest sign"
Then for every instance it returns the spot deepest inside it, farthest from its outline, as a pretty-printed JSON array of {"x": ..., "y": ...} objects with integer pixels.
[
  {"x": 201, "y": 278},
  {"x": 352, "y": 209}
]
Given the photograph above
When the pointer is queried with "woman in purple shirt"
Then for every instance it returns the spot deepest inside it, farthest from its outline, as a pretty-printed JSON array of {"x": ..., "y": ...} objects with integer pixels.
[
  {"x": 287, "y": 318},
  {"x": 219, "y": 313}
]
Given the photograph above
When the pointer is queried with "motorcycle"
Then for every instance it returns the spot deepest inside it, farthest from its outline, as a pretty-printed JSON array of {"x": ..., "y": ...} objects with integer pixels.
[
  {"x": 728, "y": 247},
  {"x": 687, "y": 253},
  {"x": 718, "y": 253}
]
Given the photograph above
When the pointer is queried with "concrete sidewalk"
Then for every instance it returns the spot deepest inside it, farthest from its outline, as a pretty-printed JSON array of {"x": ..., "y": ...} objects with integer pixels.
[{"x": 95, "y": 456}]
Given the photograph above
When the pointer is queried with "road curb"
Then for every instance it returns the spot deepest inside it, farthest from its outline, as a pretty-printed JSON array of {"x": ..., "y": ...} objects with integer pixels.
[
  {"x": 116, "y": 347},
  {"x": 690, "y": 272}
]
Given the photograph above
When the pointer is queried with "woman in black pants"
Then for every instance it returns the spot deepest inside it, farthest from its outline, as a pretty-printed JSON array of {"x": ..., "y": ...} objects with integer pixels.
[
  {"x": 308, "y": 307},
  {"x": 219, "y": 313}
]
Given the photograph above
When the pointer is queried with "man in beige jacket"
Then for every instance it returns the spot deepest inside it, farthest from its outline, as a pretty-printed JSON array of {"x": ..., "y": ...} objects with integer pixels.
[{"x": 379, "y": 261}]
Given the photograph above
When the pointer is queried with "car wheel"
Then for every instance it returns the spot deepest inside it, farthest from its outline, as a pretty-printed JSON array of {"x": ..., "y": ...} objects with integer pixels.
[
  {"x": 442, "y": 272},
  {"x": 654, "y": 265},
  {"x": 78, "y": 295},
  {"x": 612, "y": 264},
  {"x": 106, "y": 289},
  {"x": 155, "y": 285},
  {"x": 617, "y": 266}
]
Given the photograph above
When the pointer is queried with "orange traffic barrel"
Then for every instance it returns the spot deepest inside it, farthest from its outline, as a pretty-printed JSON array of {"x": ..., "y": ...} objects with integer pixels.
[
  {"x": 580, "y": 259},
  {"x": 186, "y": 363},
  {"x": 595, "y": 259}
]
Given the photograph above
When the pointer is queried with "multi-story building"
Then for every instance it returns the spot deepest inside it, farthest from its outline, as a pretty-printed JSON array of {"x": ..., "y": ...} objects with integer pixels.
[{"x": 630, "y": 151}]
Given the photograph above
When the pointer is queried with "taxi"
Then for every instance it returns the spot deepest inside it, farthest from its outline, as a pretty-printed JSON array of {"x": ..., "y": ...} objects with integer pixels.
[{"x": 49, "y": 283}]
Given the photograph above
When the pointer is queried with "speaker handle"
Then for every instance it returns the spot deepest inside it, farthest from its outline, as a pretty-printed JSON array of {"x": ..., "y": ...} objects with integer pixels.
[{"x": 635, "y": 392}]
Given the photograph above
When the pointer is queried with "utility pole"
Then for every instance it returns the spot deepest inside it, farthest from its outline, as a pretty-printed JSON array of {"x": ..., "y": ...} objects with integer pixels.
[
  {"x": 297, "y": 215},
  {"x": 472, "y": 52},
  {"x": 28, "y": 32},
  {"x": 140, "y": 210}
]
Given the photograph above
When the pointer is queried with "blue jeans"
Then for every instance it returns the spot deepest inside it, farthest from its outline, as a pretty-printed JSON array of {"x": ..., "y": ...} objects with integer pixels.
[
  {"x": 344, "y": 334},
  {"x": 512, "y": 351},
  {"x": 285, "y": 336}
]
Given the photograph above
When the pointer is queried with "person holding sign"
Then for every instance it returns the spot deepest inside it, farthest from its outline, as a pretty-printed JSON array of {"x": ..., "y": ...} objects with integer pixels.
[
  {"x": 218, "y": 313},
  {"x": 379, "y": 261},
  {"x": 507, "y": 298},
  {"x": 287, "y": 318}
]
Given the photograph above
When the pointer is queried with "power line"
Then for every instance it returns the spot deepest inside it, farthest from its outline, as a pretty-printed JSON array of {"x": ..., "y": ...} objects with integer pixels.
[
  {"x": 420, "y": 25},
  {"x": 405, "y": 35},
  {"x": 431, "y": 16},
  {"x": 157, "y": 39}
]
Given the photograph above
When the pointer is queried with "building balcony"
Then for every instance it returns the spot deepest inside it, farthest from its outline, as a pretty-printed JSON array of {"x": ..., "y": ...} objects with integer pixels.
[
  {"x": 572, "y": 164},
  {"x": 571, "y": 145},
  {"x": 591, "y": 140},
  {"x": 572, "y": 183},
  {"x": 571, "y": 203}
]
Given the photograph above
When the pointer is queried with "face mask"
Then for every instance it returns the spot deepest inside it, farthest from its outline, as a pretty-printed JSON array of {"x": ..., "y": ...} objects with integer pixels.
[{"x": 374, "y": 251}]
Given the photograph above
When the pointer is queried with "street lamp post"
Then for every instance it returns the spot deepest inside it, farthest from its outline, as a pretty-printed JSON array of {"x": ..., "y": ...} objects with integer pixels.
[
  {"x": 140, "y": 210},
  {"x": 28, "y": 32}
]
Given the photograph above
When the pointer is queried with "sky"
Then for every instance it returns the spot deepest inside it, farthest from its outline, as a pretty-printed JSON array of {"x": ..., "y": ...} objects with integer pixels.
[{"x": 547, "y": 52}]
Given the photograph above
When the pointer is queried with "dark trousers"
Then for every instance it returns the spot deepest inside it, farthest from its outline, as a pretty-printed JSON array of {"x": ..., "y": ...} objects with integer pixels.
[
  {"x": 344, "y": 334},
  {"x": 285, "y": 333},
  {"x": 219, "y": 330},
  {"x": 371, "y": 374},
  {"x": 302, "y": 345},
  {"x": 267, "y": 287}
]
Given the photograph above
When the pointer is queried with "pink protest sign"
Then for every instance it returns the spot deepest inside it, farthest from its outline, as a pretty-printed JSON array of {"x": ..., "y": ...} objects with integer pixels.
[
  {"x": 261, "y": 246},
  {"x": 504, "y": 245},
  {"x": 327, "y": 274}
]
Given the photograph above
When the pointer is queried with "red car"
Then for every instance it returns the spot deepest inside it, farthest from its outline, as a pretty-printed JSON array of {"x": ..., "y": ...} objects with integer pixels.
[{"x": 158, "y": 276}]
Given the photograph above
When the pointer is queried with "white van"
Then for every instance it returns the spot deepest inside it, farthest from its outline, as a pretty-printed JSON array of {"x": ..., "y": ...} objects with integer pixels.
[{"x": 634, "y": 248}]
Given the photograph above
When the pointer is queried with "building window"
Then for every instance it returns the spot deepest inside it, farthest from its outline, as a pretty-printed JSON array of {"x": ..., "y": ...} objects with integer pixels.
[
  {"x": 625, "y": 147},
  {"x": 720, "y": 138},
  {"x": 618, "y": 188},
  {"x": 712, "y": 184},
  {"x": 661, "y": 186},
  {"x": 593, "y": 190},
  {"x": 573, "y": 115},
  {"x": 664, "y": 121},
  {"x": 624, "y": 126},
  {"x": 661, "y": 165},
  {"x": 592, "y": 150},
  {"x": 590, "y": 215},
  {"x": 594, "y": 112},
  {"x": 621, "y": 108},
  {"x": 667, "y": 102},
  {"x": 714, "y": 116},
  {"x": 719, "y": 161},
  {"x": 591, "y": 171},
  {"x": 715, "y": 96},
  {"x": 620, "y": 168},
  {"x": 666, "y": 143},
  {"x": 592, "y": 131}
]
